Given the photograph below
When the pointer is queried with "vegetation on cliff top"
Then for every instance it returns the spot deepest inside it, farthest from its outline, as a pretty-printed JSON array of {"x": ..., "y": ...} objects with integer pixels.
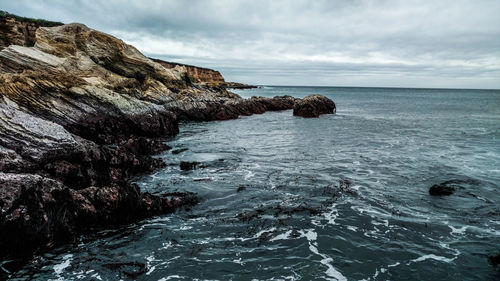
[{"x": 40, "y": 22}]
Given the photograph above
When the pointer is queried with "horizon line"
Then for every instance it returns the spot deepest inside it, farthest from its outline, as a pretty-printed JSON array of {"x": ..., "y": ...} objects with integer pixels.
[{"x": 378, "y": 87}]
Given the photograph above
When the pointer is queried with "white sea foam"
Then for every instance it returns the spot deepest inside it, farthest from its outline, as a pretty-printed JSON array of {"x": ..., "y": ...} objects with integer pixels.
[
  {"x": 96, "y": 276},
  {"x": 383, "y": 222},
  {"x": 166, "y": 245},
  {"x": 332, "y": 214},
  {"x": 311, "y": 237},
  {"x": 149, "y": 260},
  {"x": 433, "y": 257},
  {"x": 459, "y": 231},
  {"x": 249, "y": 175},
  {"x": 59, "y": 268},
  {"x": 238, "y": 261},
  {"x": 283, "y": 236},
  {"x": 394, "y": 264},
  {"x": 258, "y": 234},
  {"x": 352, "y": 228},
  {"x": 170, "y": 277},
  {"x": 447, "y": 246}
]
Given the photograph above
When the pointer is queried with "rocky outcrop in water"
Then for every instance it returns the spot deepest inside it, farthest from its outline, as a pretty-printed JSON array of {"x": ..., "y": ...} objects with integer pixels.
[
  {"x": 450, "y": 186},
  {"x": 236, "y": 85},
  {"x": 314, "y": 106},
  {"x": 82, "y": 112},
  {"x": 444, "y": 188}
]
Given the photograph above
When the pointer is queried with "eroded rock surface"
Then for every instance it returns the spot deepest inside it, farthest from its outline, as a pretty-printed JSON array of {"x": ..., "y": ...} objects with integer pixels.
[
  {"x": 80, "y": 113},
  {"x": 15, "y": 30}
]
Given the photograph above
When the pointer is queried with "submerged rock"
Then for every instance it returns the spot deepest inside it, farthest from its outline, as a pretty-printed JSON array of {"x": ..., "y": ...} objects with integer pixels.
[
  {"x": 444, "y": 188},
  {"x": 494, "y": 260},
  {"x": 185, "y": 166},
  {"x": 450, "y": 186},
  {"x": 128, "y": 269},
  {"x": 313, "y": 106}
]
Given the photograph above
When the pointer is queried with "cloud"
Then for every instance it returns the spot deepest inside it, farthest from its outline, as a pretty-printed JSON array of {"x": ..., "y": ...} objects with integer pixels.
[{"x": 357, "y": 43}]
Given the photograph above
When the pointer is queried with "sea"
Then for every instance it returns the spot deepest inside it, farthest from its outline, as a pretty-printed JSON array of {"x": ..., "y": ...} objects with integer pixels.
[{"x": 340, "y": 197}]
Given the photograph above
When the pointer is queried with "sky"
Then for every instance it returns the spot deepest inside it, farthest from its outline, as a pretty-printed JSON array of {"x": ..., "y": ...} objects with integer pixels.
[{"x": 412, "y": 43}]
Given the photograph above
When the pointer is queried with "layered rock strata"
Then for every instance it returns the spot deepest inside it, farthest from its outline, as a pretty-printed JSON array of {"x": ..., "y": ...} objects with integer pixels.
[
  {"x": 205, "y": 77},
  {"x": 198, "y": 75},
  {"x": 82, "y": 112},
  {"x": 15, "y": 30}
]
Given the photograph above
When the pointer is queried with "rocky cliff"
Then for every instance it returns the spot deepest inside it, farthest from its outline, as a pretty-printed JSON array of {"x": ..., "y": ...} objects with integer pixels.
[
  {"x": 15, "y": 30},
  {"x": 198, "y": 75},
  {"x": 205, "y": 77},
  {"x": 80, "y": 113}
]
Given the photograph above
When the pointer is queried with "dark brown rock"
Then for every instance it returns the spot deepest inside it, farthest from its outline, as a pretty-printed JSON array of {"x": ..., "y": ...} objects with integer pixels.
[
  {"x": 314, "y": 106},
  {"x": 38, "y": 212},
  {"x": 185, "y": 166},
  {"x": 494, "y": 260}
]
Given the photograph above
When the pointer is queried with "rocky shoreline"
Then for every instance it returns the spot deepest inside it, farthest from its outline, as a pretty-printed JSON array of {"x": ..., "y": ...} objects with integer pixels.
[{"x": 81, "y": 112}]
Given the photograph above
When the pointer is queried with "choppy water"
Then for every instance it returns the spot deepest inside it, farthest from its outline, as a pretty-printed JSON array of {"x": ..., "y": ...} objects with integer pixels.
[{"x": 342, "y": 197}]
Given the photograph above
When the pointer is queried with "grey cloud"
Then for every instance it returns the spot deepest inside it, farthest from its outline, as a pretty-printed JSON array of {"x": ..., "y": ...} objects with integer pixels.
[{"x": 405, "y": 43}]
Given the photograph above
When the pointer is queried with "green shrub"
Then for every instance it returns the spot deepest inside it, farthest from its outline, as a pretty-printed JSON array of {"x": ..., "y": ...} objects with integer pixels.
[{"x": 40, "y": 22}]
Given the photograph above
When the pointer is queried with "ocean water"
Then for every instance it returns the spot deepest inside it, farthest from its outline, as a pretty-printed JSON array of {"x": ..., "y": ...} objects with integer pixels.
[{"x": 341, "y": 197}]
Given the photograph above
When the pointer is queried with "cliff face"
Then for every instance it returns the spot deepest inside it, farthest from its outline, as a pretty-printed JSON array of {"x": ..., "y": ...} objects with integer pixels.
[
  {"x": 198, "y": 75},
  {"x": 80, "y": 113},
  {"x": 16, "y": 30},
  {"x": 21, "y": 31}
]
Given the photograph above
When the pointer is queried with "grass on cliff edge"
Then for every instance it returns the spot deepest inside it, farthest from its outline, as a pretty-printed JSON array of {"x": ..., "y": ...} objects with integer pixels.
[{"x": 40, "y": 22}]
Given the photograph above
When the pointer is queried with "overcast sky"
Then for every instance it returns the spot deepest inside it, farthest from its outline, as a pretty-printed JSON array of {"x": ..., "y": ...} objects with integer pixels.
[{"x": 453, "y": 44}]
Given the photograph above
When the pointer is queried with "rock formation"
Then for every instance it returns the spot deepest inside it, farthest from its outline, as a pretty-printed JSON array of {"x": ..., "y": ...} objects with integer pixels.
[
  {"x": 80, "y": 113},
  {"x": 197, "y": 75},
  {"x": 236, "y": 85},
  {"x": 314, "y": 106},
  {"x": 15, "y": 30}
]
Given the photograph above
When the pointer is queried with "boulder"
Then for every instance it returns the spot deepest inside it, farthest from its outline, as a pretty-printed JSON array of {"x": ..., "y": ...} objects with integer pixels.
[{"x": 313, "y": 106}]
